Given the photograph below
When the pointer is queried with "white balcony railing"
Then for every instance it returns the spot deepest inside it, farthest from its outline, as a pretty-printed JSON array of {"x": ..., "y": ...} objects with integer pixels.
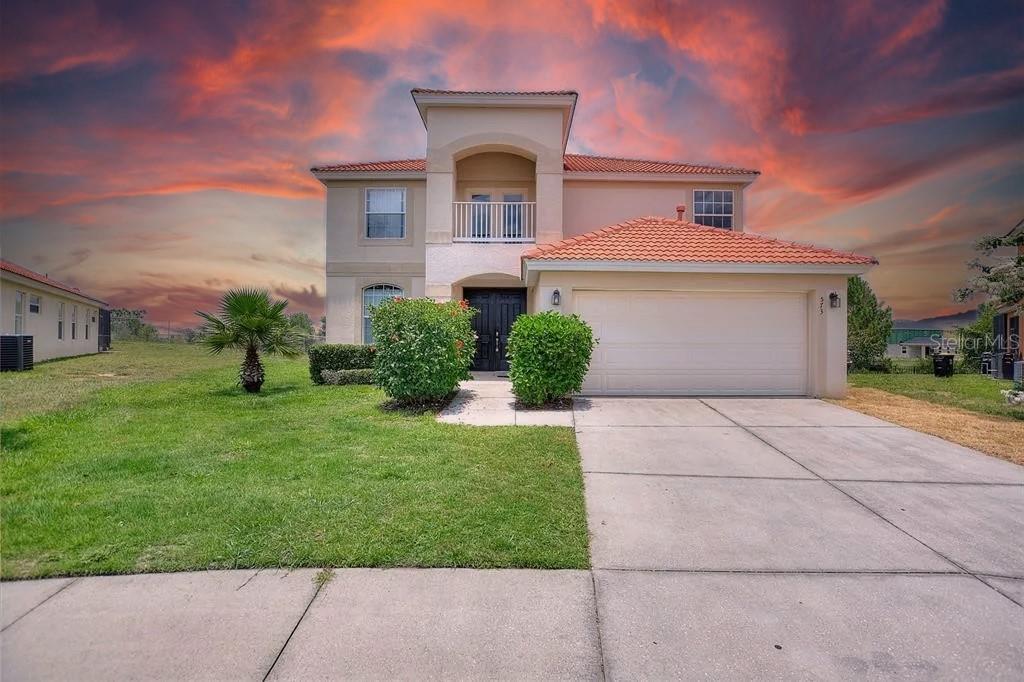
[{"x": 503, "y": 222}]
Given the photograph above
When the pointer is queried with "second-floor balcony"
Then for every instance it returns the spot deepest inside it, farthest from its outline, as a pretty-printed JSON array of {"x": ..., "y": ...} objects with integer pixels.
[{"x": 501, "y": 222}]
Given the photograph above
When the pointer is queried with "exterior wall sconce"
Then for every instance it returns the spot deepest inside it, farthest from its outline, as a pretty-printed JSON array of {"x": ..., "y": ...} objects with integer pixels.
[
  {"x": 833, "y": 300},
  {"x": 556, "y": 297}
]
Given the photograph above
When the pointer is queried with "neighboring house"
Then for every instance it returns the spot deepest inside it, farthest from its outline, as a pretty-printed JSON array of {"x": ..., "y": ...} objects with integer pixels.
[
  {"x": 1006, "y": 326},
  {"x": 61, "y": 319},
  {"x": 497, "y": 213},
  {"x": 914, "y": 343}
]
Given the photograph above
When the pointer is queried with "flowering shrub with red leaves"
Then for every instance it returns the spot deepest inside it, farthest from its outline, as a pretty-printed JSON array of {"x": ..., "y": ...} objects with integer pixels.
[{"x": 424, "y": 348}]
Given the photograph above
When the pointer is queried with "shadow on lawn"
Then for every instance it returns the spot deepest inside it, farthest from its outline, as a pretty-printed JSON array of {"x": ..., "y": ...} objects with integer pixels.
[
  {"x": 14, "y": 439},
  {"x": 266, "y": 392}
]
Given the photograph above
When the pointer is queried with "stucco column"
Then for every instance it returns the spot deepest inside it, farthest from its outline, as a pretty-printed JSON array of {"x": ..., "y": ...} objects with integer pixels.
[
  {"x": 440, "y": 194},
  {"x": 829, "y": 357},
  {"x": 549, "y": 202}
]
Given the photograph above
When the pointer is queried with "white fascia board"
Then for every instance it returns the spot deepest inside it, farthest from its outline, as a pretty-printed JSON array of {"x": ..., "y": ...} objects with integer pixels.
[
  {"x": 533, "y": 266},
  {"x": 17, "y": 280},
  {"x": 703, "y": 178},
  {"x": 324, "y": 176}
]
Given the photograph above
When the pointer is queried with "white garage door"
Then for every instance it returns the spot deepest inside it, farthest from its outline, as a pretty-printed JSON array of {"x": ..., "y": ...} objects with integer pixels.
[{"x": 696, "y": 343}]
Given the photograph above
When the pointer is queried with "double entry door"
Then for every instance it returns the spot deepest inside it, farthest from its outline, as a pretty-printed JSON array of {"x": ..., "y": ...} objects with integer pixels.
[{"x": 498, "y": 309}]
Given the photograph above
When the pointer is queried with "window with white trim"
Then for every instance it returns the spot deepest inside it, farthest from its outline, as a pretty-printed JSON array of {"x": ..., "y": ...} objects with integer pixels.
[
  {"x": 373, "y": 296},
  {"x": 713, "y": 207},
  {"x": 19, "y": 312},
  {"x": 60, "y": 321},
  {"x": 385, "y": 212},
  {"x": 74, "y": 322},
  {"x": 35, "y": 304}
]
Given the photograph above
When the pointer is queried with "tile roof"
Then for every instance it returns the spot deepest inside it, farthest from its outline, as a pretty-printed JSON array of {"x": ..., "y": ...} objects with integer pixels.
[
  {"x": 573, "y": 163},
  {"x": 609, "y": 164},
  {"x": 413, "y": 165},
  {"x": 667, "y": 240},
  {"x": 431, "y": 91},
  {"x": 16, "y": 269}
]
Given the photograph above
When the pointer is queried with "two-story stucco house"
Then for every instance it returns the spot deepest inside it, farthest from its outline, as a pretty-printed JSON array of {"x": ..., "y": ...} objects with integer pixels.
[{"x": 499, "y": 214}]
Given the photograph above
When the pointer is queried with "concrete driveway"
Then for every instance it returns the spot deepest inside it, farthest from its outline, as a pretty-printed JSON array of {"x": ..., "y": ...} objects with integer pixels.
[
  {"x": 743, "y": 538},
  {"x": 730, "y": 539}
]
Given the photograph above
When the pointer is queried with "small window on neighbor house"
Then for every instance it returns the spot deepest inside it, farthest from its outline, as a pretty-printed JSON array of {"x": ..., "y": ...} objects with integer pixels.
[
  {"x": 713, "y": 207},
  {"x": 373, "y": 296},
  {"x": 60, "y": 321},
  {"x": 74, "y": 322},
  {"x": 19, "y": 312},
  {"x": 903, "y": 349},
  {"x": 385, "y": 212},
  {"x": 35, "y": 304}
]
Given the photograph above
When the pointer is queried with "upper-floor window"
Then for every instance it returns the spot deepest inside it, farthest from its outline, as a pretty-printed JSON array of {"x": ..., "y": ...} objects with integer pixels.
[
  {"x": 374, "y": 296},
  {"x": 713, "y": 207},
  {"x": 60, "y": 320},
  {"x": 385, "y": 212},
  {"x": 35, "y": 304},
  {"x": 74, "y": 322},
  {"x": 19, "y": 312}
]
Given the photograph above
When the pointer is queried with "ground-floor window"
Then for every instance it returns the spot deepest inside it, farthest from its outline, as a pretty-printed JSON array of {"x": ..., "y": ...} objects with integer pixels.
[
  {"x": 19, "y": 312},
  {"x": 372, "y": 296},
  {"x": 60, "y": 321}
]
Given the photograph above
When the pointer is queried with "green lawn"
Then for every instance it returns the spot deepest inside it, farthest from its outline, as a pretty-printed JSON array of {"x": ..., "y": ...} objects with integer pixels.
[
  {"x": 192, "y": 473},
  {"x": 973, "y": 392},
  {"x": 64, "y": 383}
]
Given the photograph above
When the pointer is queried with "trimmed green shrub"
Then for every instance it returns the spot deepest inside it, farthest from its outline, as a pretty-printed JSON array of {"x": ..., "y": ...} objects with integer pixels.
[
  {"x": 548, "y": 356},
  {"x": 341, "y": 377},
  {"x": 424, "y": 348},
  {"x": 337, "y": 356}
]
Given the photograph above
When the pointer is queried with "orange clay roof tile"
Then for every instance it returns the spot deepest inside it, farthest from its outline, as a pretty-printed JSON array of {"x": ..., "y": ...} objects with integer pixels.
[
  {"x": 16, "y": 269},
  {"x": 573, "y": 163},
  {"x": 667, "y": 240}
]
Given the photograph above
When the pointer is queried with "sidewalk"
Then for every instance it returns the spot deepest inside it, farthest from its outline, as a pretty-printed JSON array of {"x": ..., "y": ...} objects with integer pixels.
[{"x": 251, "y": 625}]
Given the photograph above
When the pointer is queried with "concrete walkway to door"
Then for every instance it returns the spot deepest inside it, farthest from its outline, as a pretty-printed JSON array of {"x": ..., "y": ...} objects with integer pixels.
[
  {"x": 791, "y": 538},
  {"x": 487, "y": 400}
]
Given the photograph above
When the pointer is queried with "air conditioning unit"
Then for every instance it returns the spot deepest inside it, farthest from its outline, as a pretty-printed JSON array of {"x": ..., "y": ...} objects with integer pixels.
[
  {"x": 1018, "y": 371},
  {"x": 15, "y": 352}
]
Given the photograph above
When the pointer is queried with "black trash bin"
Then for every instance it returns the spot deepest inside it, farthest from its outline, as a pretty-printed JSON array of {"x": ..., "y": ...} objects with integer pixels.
[{"x": 943, "y": 365}]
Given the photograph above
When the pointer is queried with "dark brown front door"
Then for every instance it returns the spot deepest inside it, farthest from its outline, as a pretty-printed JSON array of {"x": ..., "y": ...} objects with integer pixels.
[{"x": 498, "y": 309}]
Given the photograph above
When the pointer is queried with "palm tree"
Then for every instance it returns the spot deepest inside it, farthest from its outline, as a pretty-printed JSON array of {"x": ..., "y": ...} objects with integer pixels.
[{"x": 251, "y": 321}]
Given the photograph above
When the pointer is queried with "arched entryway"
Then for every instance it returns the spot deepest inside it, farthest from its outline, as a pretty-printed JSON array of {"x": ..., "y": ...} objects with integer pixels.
[{"x": 498, "y": 299}]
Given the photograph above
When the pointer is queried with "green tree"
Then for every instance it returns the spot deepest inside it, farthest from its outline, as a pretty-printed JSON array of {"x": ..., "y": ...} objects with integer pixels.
[
  {"x": 302, "y": 322},
  {"x": 868, "y": 325},
  {"x": 1000, "y": 277},
  {"x": 131, "y": 325},
  {"x": 976, "y": 338},
  {"x": 250, "y": 320}
]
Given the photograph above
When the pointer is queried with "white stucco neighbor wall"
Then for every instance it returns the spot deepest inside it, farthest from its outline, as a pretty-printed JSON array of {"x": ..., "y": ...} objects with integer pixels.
[
  {"x": 43, "y": 325},
  {"x": 826, "y": 366}
]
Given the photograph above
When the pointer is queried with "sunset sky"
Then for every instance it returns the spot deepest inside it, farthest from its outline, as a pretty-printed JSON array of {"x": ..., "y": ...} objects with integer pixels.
[{"x": 155, "y": 154}]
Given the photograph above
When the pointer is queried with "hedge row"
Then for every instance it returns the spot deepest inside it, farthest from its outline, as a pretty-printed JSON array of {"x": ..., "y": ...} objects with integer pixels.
[
  {"x": 341, "y": 377},
  {"x": 338, "y": 356}
]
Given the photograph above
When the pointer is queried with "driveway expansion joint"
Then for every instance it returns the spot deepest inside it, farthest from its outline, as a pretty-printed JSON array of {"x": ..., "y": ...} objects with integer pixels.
[
  {"x": 597, "y": 626},
  {"x": 849, "y": 495},
  {"x": 55, "y": 593},
  {"x": 316, "y": 593}
]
